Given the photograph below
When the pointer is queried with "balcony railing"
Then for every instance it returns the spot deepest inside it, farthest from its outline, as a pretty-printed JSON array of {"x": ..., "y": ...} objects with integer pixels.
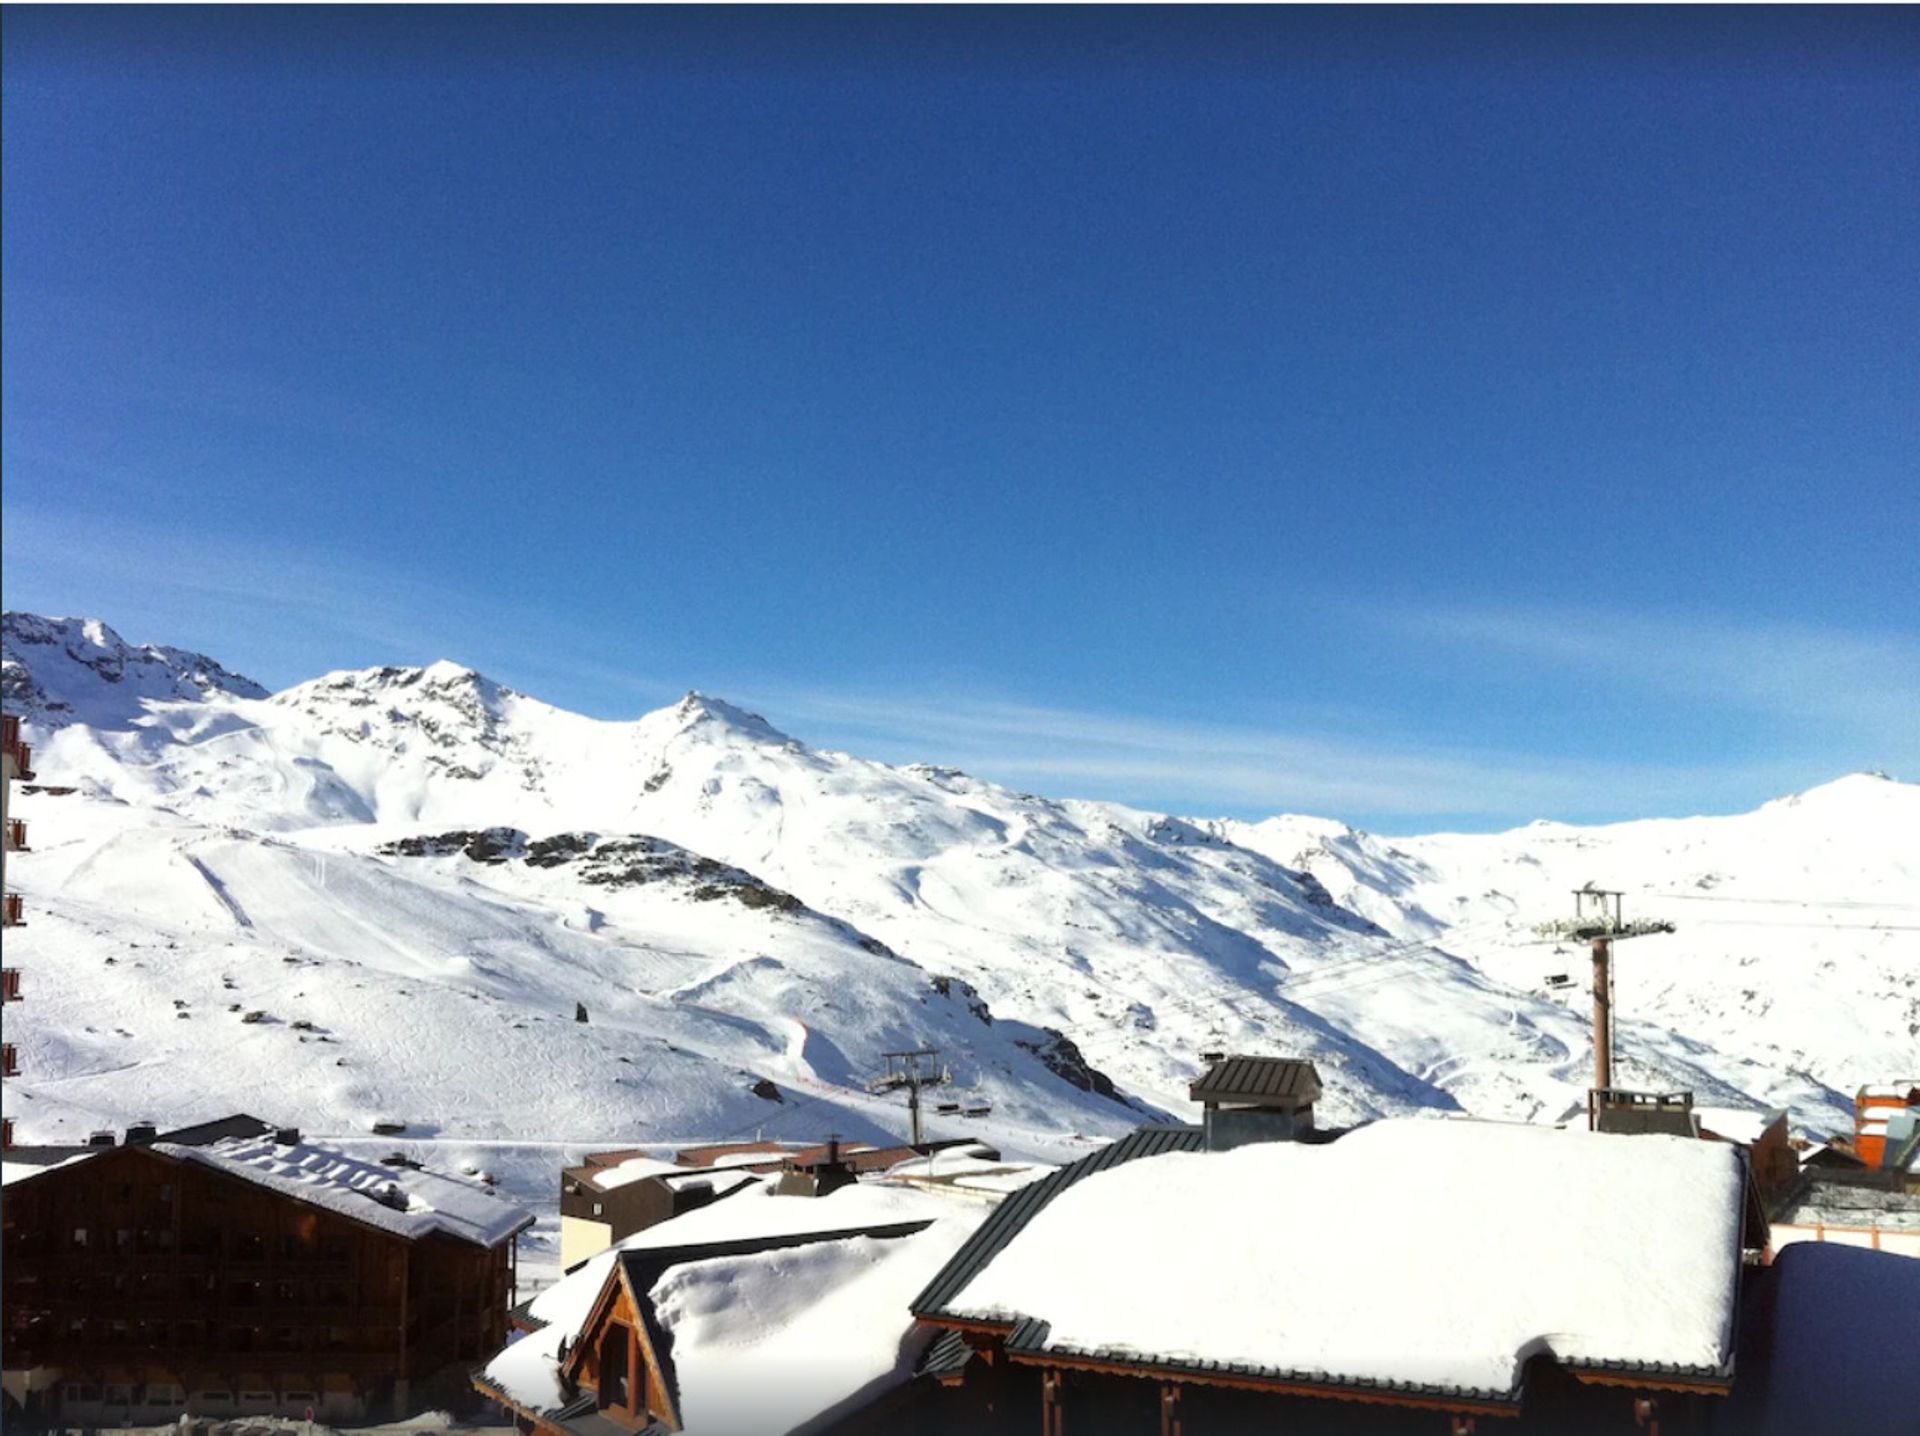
[
  {"x": 9, "y": 1064},
  {"x": 15, "y": 914},
  {"x": 9, "y": 984},
  {"x": 17, "y": 835}
]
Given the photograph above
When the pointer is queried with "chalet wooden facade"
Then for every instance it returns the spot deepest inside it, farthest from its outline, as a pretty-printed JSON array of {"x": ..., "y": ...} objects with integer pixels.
[{"x": 144, "y": 1280}]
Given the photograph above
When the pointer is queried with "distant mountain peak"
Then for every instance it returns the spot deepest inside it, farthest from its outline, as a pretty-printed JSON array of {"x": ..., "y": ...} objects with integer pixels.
[
  {"x": 78, "y": 670},
  {"x": 698, "y": 708}
]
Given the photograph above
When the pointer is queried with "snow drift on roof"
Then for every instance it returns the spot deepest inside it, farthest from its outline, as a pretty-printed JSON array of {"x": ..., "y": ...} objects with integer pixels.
[
  {"x": 778, "y": 1341},
  {"x": 876, "y": 1317},
  {"x": 1443, "y": 1253},
  {"x": 634, "y": 1169},
  {"x": 407, "y": 1203}
]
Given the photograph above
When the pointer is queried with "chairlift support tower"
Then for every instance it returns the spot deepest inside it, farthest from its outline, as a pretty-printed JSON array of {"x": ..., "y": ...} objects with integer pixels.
[
  {"x": 915, "y": 1071},
  {"x": 1597, "y": 919}
]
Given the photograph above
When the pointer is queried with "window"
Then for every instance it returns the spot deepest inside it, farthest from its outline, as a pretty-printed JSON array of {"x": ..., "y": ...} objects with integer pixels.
[
  {"x": 79, "y": 1239},
  {"x": 297, "y": 1398},
  {"x": 598, "y": 1208},
  {"x": 123, "y": 1240},
  {"x": 119, "y": 1396},
  {"x": 213, "y": 1398},
  {"x": 615, "y": 1388}
]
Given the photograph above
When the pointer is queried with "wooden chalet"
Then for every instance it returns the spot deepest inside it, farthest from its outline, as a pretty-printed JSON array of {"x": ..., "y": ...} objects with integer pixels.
[
  {"x": 232, "y": 1270},
  {"x": 605, "y": 1353}
]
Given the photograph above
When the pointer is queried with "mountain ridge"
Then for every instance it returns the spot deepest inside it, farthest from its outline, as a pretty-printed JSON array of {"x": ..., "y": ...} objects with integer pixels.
[{"x": 1405, "y": 966}]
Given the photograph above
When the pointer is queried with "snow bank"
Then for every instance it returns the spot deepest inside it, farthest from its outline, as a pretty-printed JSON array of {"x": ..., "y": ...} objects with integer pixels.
[{"x": 1438, "y": 1252}]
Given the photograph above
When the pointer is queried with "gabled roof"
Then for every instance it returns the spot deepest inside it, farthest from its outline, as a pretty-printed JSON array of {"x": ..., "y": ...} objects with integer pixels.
[
  {"x": 1615, "y": 1256},
  {"x": 806, "y": 1283},
  {"x": 1258, "y": 1081}
]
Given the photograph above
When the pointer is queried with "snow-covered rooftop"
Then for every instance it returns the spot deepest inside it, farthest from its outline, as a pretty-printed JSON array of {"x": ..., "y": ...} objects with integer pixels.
[
  {"x": 634, "y": 1169},
  {"x": 401, "y": 1200},
  {"x": 767, "y": 1341},
  {"x": 1736, "y": 1124},
  {"x": 1439, "y": 1253},
  {"x": 19, "y": 1171}
]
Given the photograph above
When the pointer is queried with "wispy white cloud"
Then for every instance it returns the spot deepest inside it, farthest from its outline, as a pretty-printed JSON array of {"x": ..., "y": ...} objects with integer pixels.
[
  {"x": 310, "y": 613},
  {"x": 1864, "y": 682},
  {"x": 1211, "y": 766}
]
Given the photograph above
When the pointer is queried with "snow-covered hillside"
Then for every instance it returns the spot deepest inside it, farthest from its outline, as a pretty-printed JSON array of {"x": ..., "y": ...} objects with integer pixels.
[{"x": 414, "y": 874}]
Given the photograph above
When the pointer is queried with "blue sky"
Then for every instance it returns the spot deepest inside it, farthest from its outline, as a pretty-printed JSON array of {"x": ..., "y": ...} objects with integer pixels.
[{"x": 1423, "y": 417}]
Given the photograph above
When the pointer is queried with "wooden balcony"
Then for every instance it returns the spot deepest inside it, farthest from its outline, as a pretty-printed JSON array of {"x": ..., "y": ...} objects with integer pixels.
[
  {"x": 9, "y": 1063},
  {"x": 16, "y": 836},
  {"x": 9, "y": 984},
  {"x": 15, "y": 911}
]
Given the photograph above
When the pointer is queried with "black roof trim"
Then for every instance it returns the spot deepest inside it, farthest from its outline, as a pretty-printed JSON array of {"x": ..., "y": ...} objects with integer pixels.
[
  {"x": 1021, "y": 1207},
  {"x": 948, "y": 1353},
  {"x": 205, "y": 1134}
]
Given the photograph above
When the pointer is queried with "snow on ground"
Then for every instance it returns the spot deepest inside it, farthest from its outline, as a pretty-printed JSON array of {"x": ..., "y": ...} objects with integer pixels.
[
  {"x": 1524, "y": 1239},
  {"x": 732, "y": 906}
]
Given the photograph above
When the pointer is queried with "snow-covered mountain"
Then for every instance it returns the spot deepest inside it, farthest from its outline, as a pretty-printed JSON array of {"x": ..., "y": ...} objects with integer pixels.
[
  {"x": 414, "y": 874},
  {"x": 71, "y": 670}
]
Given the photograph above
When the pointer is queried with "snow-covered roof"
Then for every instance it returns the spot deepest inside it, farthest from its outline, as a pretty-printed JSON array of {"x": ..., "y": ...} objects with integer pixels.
[
  {"x": 1839, "y": 1333},
  {"x": 18, "y": 1171},
  {"x": 400, "y": 1200},
  {"x": 634, "y": 1169},
  {"x": 762, "y": 1341},
  {"x": 1736, "y": 1124},
  {"x": 1442, "y": 1254}
]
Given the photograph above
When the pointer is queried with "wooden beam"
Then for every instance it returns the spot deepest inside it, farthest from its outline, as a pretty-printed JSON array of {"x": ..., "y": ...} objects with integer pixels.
[
  {"x": 1052, "y": 1413},
  {"x": 1646, "y": 1414},
  {"x": 1171, "y": 1421}
]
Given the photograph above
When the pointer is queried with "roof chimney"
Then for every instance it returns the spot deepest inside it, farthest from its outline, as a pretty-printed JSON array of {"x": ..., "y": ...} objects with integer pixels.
[
  {"x": 286, "y": 1136},
  {"x": 141, "y": 1134},
  {"x": 100, "y": 1139},
  {"x": 1256, "y": 1099}
]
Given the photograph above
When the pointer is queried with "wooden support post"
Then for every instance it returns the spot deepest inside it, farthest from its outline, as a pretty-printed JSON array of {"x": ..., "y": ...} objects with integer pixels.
[
  {"x": 1171, "y": 1423},
  {"x": 1646, "y": 1414},
  {"x": 1052, "y": 1414},
  {"x": 1602, "y": 1014}
]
